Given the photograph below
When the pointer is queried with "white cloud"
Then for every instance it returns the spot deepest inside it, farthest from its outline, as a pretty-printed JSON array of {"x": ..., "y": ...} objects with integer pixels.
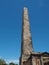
[
  {"x": 14, "y": 61},
  {"x": 10, "y": 60}
]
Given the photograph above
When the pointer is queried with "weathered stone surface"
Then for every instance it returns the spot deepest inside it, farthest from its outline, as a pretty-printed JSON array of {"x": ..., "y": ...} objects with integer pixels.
[
  {"x": 26, "y": 35},
  {"x": 26, "y": 38}
]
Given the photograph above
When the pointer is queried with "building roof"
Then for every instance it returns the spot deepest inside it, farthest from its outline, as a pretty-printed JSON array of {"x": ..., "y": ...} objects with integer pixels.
[{"x": 40, "y": 53}]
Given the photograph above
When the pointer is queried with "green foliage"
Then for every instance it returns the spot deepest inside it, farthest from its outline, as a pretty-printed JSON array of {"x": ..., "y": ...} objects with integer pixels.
[
  {"x": 16, "y": 64},
  {"x": 2, "y": 62},
  {"x": 12, "y": 63}
]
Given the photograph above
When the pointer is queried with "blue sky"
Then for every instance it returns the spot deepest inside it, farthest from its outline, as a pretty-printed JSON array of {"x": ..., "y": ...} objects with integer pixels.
[{"x": 11, "y": 26}]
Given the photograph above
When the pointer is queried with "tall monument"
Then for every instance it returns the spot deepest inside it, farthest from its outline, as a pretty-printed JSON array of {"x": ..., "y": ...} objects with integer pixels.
[
  {"x": 26, "y": 35},
  {"x": 26, "y": 48},
  {"x": 28, "y": 57}
]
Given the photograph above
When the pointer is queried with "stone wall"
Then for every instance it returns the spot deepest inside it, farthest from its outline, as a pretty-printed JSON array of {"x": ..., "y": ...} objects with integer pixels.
[
  {"x": 36, "y": 61},
  {"x": 28, "y": 62}
]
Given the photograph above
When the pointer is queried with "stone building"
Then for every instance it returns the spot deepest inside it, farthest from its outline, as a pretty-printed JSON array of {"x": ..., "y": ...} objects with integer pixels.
[{"x": 28, "y": 56}]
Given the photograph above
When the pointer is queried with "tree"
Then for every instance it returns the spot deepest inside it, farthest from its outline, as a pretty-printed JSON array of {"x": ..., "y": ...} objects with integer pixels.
[
  {"x": 16, "y": 64},
  {"x": 2, "y": 62},
  {"x": 12, "y": 63}
]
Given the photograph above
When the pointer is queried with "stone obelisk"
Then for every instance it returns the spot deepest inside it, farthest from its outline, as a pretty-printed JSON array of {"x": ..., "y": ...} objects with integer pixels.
[{"x": 26, "y": 46}]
